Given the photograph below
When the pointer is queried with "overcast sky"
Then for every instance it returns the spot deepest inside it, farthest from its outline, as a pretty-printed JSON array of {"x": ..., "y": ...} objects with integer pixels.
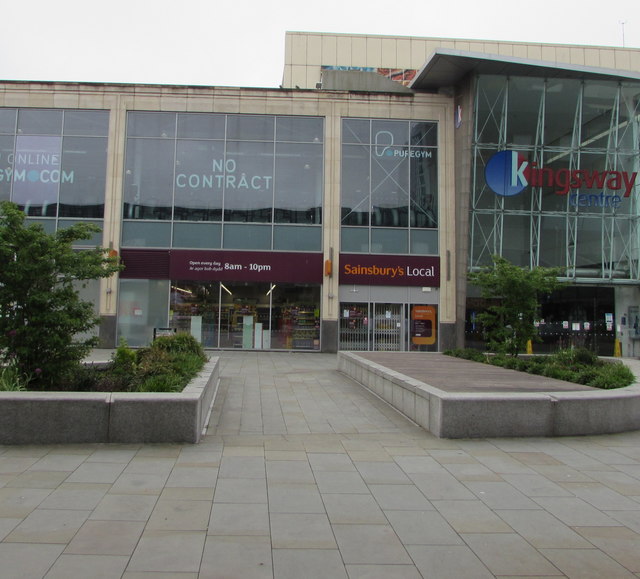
[{"x": 241, "y": 42}]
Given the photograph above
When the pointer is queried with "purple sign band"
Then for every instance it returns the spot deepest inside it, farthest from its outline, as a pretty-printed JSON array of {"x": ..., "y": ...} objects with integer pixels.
[{"x": 400, "y": 270}]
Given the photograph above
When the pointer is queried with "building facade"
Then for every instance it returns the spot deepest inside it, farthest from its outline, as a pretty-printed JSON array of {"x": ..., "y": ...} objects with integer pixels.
[{"x": 346, "y": 214}]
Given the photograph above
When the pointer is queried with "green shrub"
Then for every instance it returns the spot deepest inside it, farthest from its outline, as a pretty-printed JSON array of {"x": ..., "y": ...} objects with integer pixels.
[
  {"x": 579, "y": 365},
  {"x": 12, "y": 379},
  {"x": 612, "y": 375},
  {"x": 179, "y": 343},
  {"x": 467, "y": 354}
]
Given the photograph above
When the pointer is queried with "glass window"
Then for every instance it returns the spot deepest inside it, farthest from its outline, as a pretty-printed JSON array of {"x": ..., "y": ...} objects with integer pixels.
[
  {"x": 247, "y": 237},
  {"x": 296, "y": 238},
  {"x": 562, "y": 99},
  {"x": 248, "y": 181},
  {"x": 250, "y": 127},
  {"x": 354, "y": 240},
  {"x": 299, "y": 129},
  {"x": 298, "y": 183},
  {"x": 355, "y": 185},
  {"x": 94, "y": 240},
  {"x": 161, "y": 125},
  {"x": 143, "y": 305},
  {"x": 390, "y": 183},
  {"x": 37, "y": 173},
  {"x": 84, "y": 166},
  {"x": 553, "y": 241},
  {"x": 39, "y": 122},
  {"x": 8, "y": 121},
  {"x": 86, "y": 123},
  {"x": 524, "y": 100},
  {"x": 6, "y": 165},
  {"x": 424, "y": 242},
  {"x": 424, "y": 135},
  {"x": 490, "y": 95},
  {"x": 385, "y": 240},
  {"x": 201, "y": 126},
  {"x": 148, "y": 182},
  {"x": 197, "y": 235},
  {"x": 146, "y": 234},
  {"x": 356, "y": 131},
  {"x": 200, "y": 179}
]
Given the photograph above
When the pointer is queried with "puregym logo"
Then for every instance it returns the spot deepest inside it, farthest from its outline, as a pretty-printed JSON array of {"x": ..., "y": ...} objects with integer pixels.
[{"x": 508, "y": 173}]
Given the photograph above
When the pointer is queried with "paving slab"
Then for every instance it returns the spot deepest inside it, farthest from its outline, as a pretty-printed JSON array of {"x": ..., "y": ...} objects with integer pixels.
[{"x": 339, "y": 486}]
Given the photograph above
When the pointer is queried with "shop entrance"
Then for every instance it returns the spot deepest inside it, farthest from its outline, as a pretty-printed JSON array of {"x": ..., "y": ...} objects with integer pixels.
[
  {"x": 388, "y": 327},
  {"x": 256, "y": 316}
]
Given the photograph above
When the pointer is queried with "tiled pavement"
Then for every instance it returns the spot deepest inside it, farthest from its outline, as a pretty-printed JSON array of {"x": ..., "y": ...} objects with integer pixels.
[{"x": 304, "y": 474}]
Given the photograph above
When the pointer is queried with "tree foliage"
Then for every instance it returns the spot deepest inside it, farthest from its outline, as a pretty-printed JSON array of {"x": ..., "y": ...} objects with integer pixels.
[
  {"x": 41, "y": 313},
  {"x": 514, "y": 299}
]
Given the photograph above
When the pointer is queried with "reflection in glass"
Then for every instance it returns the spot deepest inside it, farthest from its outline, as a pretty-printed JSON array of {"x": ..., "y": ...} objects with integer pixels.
[
  {"x": 84, "y": 161},
  {"x": 148, "y": 190},
  {"x": 39, "y": 122}
]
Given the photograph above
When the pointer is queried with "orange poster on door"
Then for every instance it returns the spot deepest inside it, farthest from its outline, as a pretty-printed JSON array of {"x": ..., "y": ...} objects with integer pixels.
[{"x": 423, "y": 325}]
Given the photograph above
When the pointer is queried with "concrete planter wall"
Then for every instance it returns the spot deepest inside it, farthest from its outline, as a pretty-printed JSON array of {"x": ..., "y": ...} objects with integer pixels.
[
  {"x": 71, "y": 417},
  {"x": 473, "y": 415}
]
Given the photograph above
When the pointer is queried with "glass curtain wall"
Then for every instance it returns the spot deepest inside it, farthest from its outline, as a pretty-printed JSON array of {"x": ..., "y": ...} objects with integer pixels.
[
  {"x": 53, "y": 164},
  {"x": 389, "y": 187},
  {"x": 554, "y": 175},
  {"x": 210, "y": 181}
]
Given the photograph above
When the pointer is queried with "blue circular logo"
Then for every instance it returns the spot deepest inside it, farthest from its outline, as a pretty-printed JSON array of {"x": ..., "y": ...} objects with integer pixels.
[{"x": 505, "y": 173}]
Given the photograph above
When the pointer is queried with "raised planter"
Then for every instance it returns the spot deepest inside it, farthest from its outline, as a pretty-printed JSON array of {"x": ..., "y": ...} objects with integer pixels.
[
  {"x": 73, "y": 417},
  {"x": 480, "y": 415}
]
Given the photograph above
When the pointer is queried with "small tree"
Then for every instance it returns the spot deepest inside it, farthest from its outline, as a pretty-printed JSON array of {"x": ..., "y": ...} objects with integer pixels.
[
  {"x": 41, "y": 313},
  {"x": 514, "y": 299}
]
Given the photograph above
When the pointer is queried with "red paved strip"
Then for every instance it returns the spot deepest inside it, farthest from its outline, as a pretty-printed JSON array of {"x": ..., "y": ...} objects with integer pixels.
[{"x": 457, "y": 375}]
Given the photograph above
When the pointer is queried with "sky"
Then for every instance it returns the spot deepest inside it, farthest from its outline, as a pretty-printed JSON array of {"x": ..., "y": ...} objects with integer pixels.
[{"x": 241, "y": 42}]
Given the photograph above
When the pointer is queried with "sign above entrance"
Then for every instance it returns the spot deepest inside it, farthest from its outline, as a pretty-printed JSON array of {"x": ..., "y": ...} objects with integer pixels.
[
  {"x": 255, "y": 266},
  {"x": 401, "y": 270}
]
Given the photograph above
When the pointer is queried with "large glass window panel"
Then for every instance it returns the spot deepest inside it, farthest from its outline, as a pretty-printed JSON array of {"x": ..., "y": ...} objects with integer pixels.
[
  {"x": 389, "y": 186},
  {"x": 247, "y": 237},
  {"x": 354, "y": 240},
  {"x": 355, "y": 185},
  {"x": 424, "y": 188},
  {"x": 37, "y": 173},
  {"x": 424, "y": 134},
  {"x": 627, "y": 122},
  {"x": 86, "y": 123},
  {"x": 484, "y": 241},
  {"x": 516, "y": 239},
  {"x": 424, "y": 241},
  {"x": 39, "y": 122},
  {"x": 143, "y": 305},
  {"x": 249, "y": 182},
  {"x": 553, "y": 241},
  {"x": 491, "y": 92},
  {"x": 524, "y": 99},
  {"x": 299, "y": 129},
  {"x": 93, "y": 241},
  {"x": 149, "y": 124},
  {"x": 201, "y": 126},
  {"x": 297, "y": 238},
  {"x": 148, "y": 183},
  {"x": 598, "y": 105},
  {"x": 562, "y": 100},
  {"x": 8, "y": 121},
  {"x": 84, "y": 162},
  {"x": 388, "y": 240},
  {"x": 298, "y": 183},
  {"x": 386, "y": 134},
  {"x": 197, "y": 235},
  {"x": 356, "y": 131},
  {"x": 589, "y": 246},
  {"x": 200, "y": 180},
  {"x": 146, "y": 234},
  {"x": 250, "y": 127},
  {"x": 6, "y": 165}
]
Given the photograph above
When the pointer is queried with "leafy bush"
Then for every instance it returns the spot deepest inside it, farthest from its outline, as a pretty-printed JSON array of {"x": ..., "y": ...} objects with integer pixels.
[
  {"x": 579, "y": 365},
  {"x": 12, "y": 379}
]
